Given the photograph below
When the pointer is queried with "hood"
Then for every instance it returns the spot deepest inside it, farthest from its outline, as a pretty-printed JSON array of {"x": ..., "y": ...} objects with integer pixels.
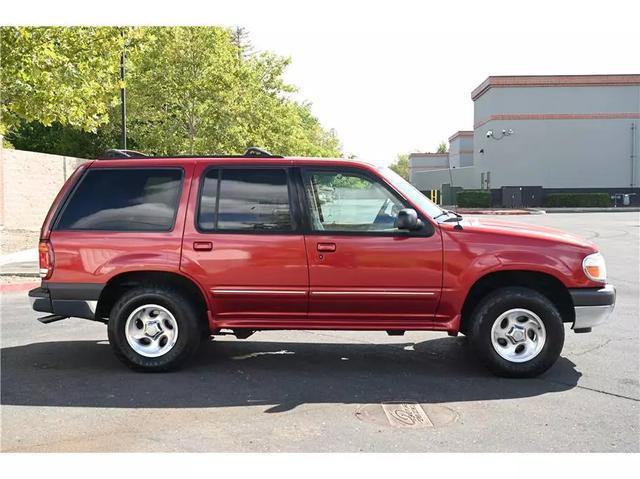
[{"x": 516, "y": 229}]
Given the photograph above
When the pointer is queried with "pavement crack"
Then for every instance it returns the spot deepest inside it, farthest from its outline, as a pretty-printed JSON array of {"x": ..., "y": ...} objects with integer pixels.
[
  {"x": 601, "y": 345},
  {"x": 594, "y": 348},
  {"x": 600, "y": 391}
]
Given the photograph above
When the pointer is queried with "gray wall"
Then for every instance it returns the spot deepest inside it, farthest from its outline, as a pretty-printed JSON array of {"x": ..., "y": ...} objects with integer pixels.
[
  {"x": 461, "y": 151},
  {"x": 419, "y": 162},
  {"x": 560, "y": 152},
  {"x": 466, "y": 177},
  {"x": 541, "y": 100}
]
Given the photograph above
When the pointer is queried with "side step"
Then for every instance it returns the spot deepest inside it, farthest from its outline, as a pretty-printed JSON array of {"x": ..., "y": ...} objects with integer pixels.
[
  {"x": 395, "y": 332},
  {"x": 52, "y": 318}
]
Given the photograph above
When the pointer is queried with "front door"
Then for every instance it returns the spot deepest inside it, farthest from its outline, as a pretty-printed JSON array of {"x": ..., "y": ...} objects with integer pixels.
[
  {"x": 243, "y": 242},
  {"x": 363, "y": 272}
]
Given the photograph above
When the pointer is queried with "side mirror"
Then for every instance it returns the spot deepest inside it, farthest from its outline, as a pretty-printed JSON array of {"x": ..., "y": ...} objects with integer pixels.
[{"x": 407, "y": 219}]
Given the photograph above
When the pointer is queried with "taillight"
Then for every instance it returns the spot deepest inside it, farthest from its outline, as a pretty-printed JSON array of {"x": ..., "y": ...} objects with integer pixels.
[{"x": 45, "y": 256}]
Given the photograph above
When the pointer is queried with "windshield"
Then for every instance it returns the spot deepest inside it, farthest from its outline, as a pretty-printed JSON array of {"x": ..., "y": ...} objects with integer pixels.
[{"x": 411, "y": 192}]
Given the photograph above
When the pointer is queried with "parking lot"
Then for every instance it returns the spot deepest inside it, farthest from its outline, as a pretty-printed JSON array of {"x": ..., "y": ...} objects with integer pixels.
[{"x": 62, "y": 389}]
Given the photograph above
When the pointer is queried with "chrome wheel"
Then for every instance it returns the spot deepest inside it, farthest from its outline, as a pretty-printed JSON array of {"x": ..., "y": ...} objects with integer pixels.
[
  {"x": 518, "y": 335},
  {"x": 151, "y": 330}
]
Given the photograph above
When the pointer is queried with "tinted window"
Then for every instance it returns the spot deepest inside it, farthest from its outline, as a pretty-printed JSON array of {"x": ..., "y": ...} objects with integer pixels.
[
  {"x": 207, "y": 215},
  {"x": 349, "y": 202},
  {"x": 124, "y": 200},
  {"x": 249, "y": 199}
]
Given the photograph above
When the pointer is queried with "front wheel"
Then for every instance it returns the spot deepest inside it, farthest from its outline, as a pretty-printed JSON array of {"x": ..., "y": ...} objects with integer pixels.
[
  {"x": 516, "y": 332},
  {"x": 154, "y": 328}
]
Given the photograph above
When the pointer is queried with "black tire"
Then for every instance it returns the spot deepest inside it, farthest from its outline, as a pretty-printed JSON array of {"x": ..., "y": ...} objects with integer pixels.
[
  {"x": 505, "y": 299},
  {"x": 189, "y": 321}
]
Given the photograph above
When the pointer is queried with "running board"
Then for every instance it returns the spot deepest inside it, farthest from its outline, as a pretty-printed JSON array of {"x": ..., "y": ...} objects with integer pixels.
[{"x": 52, "y": 318}]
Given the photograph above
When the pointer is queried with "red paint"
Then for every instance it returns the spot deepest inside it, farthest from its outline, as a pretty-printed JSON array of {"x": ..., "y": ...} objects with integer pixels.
[{"x": 296, "y": 281}]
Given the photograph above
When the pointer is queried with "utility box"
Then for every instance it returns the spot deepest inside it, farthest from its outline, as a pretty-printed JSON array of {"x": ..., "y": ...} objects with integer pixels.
[{"x": 521, "y": 196}]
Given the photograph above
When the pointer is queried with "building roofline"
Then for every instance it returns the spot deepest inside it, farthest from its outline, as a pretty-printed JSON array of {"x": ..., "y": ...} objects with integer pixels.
[
  {"x": 553, "y": 81},
  {"x": 460, "y": 133}
]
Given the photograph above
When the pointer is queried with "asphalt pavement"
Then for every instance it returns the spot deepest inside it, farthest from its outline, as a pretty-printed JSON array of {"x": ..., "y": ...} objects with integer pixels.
[{"x": 62, "y": 389}]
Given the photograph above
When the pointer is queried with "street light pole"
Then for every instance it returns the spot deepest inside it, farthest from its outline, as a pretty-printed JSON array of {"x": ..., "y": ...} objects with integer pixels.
[{"x": 123, "y": 98}]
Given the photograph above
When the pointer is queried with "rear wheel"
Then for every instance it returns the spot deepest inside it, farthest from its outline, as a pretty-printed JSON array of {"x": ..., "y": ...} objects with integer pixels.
[
  {"x": 516, "y": 332},
  {"x": 154, "y": 328}
]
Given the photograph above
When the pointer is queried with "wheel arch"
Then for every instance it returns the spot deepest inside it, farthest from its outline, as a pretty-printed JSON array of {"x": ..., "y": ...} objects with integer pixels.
[
  {"x": 547, "y": 285},
  {"x": 123, "y": 281}
]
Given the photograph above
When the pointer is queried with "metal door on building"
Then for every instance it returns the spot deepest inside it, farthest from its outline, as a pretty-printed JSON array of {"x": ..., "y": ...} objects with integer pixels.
[
  {"x": 531, "y": 196},
  {"x": 511, "y": 197}
]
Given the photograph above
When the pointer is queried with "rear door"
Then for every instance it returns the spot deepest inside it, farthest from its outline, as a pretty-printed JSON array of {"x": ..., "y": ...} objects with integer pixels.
[
  {"x": 244, "y": 244},
  {"x": 363, "y": 272}
]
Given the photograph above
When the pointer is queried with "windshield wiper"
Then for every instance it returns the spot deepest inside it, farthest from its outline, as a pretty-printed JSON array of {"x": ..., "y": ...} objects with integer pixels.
[
  {"x": 444, "y": 213},
  {"x": 458, "y": 216}
]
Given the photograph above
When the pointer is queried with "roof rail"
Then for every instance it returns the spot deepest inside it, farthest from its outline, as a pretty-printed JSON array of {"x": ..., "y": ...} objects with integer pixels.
[
  {"x": 257, "y": 152},
  {"x": 115, "y": 154},
  {"x": 251, "y": 152}
]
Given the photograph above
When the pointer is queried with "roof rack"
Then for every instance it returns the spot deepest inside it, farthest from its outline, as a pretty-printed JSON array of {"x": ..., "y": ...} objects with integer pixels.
[
  {"x": 114, "y": 154},
  {"x": 255, "y": 151},
  {"x": 251, "y": 152}
]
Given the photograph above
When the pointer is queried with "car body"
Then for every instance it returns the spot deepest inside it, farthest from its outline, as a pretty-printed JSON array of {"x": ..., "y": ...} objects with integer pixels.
[{"x": 258, "y": 243}]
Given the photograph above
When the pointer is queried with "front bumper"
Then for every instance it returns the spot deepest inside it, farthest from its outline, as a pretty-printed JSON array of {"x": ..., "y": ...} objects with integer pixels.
[{"x": 593, "y": 306}]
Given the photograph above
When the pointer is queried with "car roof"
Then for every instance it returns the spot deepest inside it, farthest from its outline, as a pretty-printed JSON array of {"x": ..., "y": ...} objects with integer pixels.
[{"x": 151, "y": 161}]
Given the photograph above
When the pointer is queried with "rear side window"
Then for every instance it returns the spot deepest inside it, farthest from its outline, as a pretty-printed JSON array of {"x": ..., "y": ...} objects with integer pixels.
[
  {"x": 143, "y": 199},
  {"x": 245, "y": 199}
]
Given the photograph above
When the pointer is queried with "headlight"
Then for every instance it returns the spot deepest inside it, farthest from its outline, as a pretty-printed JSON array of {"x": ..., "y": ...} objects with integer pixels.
[{"x": 594, "y": 267}]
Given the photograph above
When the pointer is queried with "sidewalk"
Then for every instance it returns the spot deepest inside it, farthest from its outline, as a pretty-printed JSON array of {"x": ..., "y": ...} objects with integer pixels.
[{"x": 20, "y": 263}]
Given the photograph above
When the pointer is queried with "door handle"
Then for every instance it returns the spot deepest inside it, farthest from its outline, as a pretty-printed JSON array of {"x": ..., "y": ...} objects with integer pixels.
[
  {"x": 202, "y": 245},
  {"x": 326, "y": 247}
]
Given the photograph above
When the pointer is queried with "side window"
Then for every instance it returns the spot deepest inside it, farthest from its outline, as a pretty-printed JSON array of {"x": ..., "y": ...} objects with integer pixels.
[
  {"x": 349, "y": 202},
  {"x": 245, "y": 199},
  {"x": 143, "y": 199}
]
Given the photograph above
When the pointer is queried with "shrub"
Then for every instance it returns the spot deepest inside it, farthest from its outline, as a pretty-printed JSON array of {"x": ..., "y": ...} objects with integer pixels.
[
  {"x": 577, "y": 200},
  {"x": 481, "y": 199}
]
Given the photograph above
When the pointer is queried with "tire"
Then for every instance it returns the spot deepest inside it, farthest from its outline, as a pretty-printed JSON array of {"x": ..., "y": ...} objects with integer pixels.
[
  {"x": 177, "y": 323},
  {"x": 498, "y": 330}
]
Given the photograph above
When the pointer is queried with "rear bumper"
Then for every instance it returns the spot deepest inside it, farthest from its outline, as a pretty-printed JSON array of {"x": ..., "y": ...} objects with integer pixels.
[
  {"x": 593, "y": 306},
  {"x": 54, "y": 302}
]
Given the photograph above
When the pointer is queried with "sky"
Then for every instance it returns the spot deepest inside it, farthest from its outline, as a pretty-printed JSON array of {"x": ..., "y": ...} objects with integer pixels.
[{"x": 396, "y": 77}]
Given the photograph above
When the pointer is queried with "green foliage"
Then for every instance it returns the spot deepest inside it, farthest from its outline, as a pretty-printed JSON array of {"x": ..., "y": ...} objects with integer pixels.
[
  {"x": 62, "y": 140},
  {"x": 190, "y": 90},
  {"x": 577, "y": 200},
  {"x": 474, "y": 198},
  {"x": 188, "y": 93},
  {"x": 442, "y": 147},
  {"x": 66, "y": 75},
  {"x": 401, "y": 165}
]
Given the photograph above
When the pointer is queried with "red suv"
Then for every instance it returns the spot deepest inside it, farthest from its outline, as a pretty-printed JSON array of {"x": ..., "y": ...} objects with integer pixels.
[{"x": 168, "y": 251}]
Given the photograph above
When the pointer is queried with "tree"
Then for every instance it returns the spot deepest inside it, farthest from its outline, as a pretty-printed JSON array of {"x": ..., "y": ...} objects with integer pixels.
[
  {"x": 190, "y": 90},
  {"x": 65, "y": 75},
  {"x": 188, "y": 93},
  {"x": 64, "y": 140},
  {"x": 442, "y": 148},
  {"x": 240, "y": 38},
  {"x": 401, "y": 165}
]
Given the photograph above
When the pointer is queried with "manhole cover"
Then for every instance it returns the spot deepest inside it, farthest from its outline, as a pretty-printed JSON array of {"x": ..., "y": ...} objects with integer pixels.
[
  {"x": 402, "y": 414},
  {"x": 407, "y": 414}
]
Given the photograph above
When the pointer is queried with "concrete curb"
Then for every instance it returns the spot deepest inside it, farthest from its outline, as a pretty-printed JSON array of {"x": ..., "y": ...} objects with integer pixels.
[
  {"x": 536, "y": 211},
  {"x": 472, "y": 211},
  {"x": 21, "y": 274},
  {"x": 626, "y": 209}
]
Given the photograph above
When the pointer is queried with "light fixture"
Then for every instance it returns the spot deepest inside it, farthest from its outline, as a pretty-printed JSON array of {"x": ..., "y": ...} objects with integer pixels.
[{"x": 491, "y": 134}]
